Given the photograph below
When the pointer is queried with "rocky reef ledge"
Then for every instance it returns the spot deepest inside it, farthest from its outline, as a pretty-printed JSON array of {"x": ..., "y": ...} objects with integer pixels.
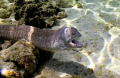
[
  {"x": 18, "y": 60},
  {"x": 22, "y": 59}
]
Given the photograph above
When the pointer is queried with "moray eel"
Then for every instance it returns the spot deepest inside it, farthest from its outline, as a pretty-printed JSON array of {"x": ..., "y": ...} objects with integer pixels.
[{"x": 63, "y": 38}]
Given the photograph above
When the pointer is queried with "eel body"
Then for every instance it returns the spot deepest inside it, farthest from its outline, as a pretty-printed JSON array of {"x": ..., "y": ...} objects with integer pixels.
[{"x": 62, "y": 38}]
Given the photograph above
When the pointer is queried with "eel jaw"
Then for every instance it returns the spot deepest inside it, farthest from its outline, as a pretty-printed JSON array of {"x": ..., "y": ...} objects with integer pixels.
[
  {"x": 74, "y": 43},
  {"x": 71, "y": 36}
]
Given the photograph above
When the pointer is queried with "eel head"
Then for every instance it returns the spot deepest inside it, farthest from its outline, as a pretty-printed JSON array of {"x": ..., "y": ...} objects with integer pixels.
[{"x": 70, "y": 37}]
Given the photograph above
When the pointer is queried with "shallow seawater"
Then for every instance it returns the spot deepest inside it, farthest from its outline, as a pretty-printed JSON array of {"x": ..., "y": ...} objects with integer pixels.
[{"x": 99, "y": 23}]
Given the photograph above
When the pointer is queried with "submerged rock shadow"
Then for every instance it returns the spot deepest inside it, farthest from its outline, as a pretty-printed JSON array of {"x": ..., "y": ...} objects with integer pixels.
[
  {"x": 55, "y": 66},
  {"x": 72, "y": 68}
]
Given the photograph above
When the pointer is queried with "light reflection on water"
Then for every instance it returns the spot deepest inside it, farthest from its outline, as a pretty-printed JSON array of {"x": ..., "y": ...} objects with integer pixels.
[{"x": 99, "y": 23}]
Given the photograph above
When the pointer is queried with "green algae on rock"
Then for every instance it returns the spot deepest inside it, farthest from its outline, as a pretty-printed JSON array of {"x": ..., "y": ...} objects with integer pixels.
[
  {"x": 18, "y": 60},
  {"x": 41, "y": 14},
  {"x": 6, "y": 12},
  {"x": 3, "y": 13},
  {"x": 5, "y": 9}
]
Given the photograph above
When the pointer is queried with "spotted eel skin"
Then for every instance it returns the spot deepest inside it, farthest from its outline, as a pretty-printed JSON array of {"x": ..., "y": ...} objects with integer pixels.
[{"x": 64, "y": 37}]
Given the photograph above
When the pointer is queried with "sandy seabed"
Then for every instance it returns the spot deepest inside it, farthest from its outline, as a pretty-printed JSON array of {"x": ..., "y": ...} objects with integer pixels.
[{"x": 99, "y": 23}]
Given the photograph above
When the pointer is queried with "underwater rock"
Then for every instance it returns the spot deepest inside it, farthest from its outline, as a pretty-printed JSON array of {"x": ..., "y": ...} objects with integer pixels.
[
  {"x": 65, "y": 3},
  {"x": 4, "y": 44},
  {"x": 3, "y": 13},
  {"x": 5, "y": 9},
  {"x": 6, "y": 12},
  {"x": 11, "y": 1},
  {"x": 38, "y": 13},
  {"x": 18, "y": 60},
  {"x": 68, "y": 3}
]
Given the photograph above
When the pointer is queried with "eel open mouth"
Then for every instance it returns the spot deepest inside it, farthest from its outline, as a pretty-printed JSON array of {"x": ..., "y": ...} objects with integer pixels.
[
  {"x": 71, "y": 36},
  {"x": 75, "y": 43}
]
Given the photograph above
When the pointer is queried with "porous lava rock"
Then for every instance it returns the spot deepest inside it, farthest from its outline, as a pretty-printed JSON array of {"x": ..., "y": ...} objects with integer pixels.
[{"x": 38, "y": 13}]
